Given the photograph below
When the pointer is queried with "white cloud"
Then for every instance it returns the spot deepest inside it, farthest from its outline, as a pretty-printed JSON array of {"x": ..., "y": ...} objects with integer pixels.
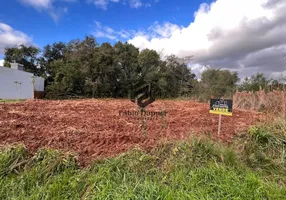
[
  {"x": 1, "y": 63},
  {"x": 10, "y": 37},
  {"x": 165, "y": 30},
  {"x": 101, "y": 31},
  {"x": 103, "y": 4},
  {"x": 48, "y": 6},
  {"x": 124, "y": 34},
  {"x": 198, "y": 69},
  {"x": 56, "y": 12},
  {"x": 155, "y": 30},
  {"x": 135, "y": 3},
  {"x": 104, "y": 31},
  {"x": 39, "y": 4},
  {"x": 237, "y": 35}
]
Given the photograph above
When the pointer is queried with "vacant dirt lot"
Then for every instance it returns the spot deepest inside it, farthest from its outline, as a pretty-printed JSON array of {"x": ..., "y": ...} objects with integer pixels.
[{"x": 94, "y": 128}]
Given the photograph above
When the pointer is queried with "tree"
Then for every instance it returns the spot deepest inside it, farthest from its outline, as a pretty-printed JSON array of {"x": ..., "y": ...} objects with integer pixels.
[
  {"x": 27, "y": 56},
  {"x": 149, "y": 69},
  {"x": 255, "y": 83},
  {"x": 126, "y": 67},
  {"x": 102, "y": 79},
  {"x": 51, "y": 53},
  {"x": 218, "y": 83},
  {"x": 279, "y": 83},
  {"x": 179, "y": 77},
  {"x": 70, "y": 66}
]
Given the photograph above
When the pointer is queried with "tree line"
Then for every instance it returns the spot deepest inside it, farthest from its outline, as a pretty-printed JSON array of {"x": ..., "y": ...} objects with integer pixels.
[{"x": 85, "y": 68}]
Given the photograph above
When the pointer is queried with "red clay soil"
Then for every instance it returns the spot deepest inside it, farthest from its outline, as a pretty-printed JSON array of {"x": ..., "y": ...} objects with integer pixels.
[{"x": 94, "y": 128}]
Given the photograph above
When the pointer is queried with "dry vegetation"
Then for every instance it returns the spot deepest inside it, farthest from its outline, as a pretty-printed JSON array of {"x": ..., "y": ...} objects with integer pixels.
[{"x": 273, "y": 103}]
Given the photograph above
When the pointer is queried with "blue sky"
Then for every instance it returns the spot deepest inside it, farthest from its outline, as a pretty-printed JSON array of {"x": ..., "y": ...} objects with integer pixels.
[
  {"x": 77, "y": 18},
  {"x": 247, "y": 36}
]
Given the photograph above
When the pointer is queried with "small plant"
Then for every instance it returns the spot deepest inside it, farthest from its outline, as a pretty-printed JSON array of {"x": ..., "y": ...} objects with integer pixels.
[
  {"x": 12, "y": 159},
  {"x": 261, "y": 135},
  {"x": 264, "y": 147}
]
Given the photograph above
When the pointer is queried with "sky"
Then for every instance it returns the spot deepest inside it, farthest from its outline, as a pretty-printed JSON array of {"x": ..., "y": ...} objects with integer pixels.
[{"x": 247, "y": 36}]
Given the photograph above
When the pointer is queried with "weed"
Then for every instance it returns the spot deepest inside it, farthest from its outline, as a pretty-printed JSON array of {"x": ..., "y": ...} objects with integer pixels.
[{"x": 198, "y": 168}]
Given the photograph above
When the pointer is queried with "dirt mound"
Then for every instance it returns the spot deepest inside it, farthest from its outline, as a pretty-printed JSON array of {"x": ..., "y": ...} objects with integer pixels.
[{"x": 95, "y": 128}]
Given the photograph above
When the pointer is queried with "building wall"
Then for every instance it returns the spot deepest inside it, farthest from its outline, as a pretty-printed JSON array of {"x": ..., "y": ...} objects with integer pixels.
[
  {"x": 39, "y": 84},
  {"x": 10, "y": 90}
]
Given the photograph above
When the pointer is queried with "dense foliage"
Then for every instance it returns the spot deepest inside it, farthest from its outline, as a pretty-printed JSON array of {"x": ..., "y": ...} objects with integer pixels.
[
  {"x": 260, "y": 82},
  {"x": 84, "y": 68},
  {"x": 218, "y": 83}
]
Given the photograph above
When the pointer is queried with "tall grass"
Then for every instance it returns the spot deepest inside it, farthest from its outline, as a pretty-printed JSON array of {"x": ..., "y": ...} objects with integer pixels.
[
  {"x": 189, "y": 170},
  {"x": 252, "y": 168},
  {"x": 273, "y": 103},
  {"x": 265, "y": 148}
]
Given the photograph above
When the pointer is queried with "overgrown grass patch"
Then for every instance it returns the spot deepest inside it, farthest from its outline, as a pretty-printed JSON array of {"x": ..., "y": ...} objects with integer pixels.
[
  {"x": 195, "y": 169},
  {"x": 12, "y": 100},
  {"x": 264, "y": 148}
]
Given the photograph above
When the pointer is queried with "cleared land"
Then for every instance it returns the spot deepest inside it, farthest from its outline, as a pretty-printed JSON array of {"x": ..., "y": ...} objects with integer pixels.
[{"x": 94, "y": 129}]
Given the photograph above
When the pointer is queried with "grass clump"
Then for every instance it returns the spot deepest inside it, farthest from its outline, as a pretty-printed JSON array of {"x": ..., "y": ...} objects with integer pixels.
[
  {"x": 12, "y": 100},
  {"x": 12, "y": 159},
  {"x": 193, "y": 169},
  {"x": 264, "y": 148}
]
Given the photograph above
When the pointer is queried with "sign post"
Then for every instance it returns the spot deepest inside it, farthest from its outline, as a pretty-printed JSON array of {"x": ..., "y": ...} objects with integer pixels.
[
  {"x": 219, "y": 125},
  {"x": 221, "y": 107}
]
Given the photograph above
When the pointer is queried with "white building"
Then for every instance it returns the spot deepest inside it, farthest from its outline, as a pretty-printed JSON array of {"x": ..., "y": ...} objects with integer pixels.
[{"x": 18, "y": 84}]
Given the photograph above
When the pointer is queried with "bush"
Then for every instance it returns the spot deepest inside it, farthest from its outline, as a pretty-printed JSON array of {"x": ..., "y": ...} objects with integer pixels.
[{"x": 193, "y": 169}]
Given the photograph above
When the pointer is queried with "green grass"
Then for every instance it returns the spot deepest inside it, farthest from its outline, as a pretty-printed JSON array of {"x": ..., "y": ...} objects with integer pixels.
[
  {"x": 253, "y": 167},
  {"x": 11, "y": 100}
]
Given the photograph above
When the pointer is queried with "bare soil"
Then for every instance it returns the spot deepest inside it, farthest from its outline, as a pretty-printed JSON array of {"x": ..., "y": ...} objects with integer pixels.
[{"x": 94, "y": 128}]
